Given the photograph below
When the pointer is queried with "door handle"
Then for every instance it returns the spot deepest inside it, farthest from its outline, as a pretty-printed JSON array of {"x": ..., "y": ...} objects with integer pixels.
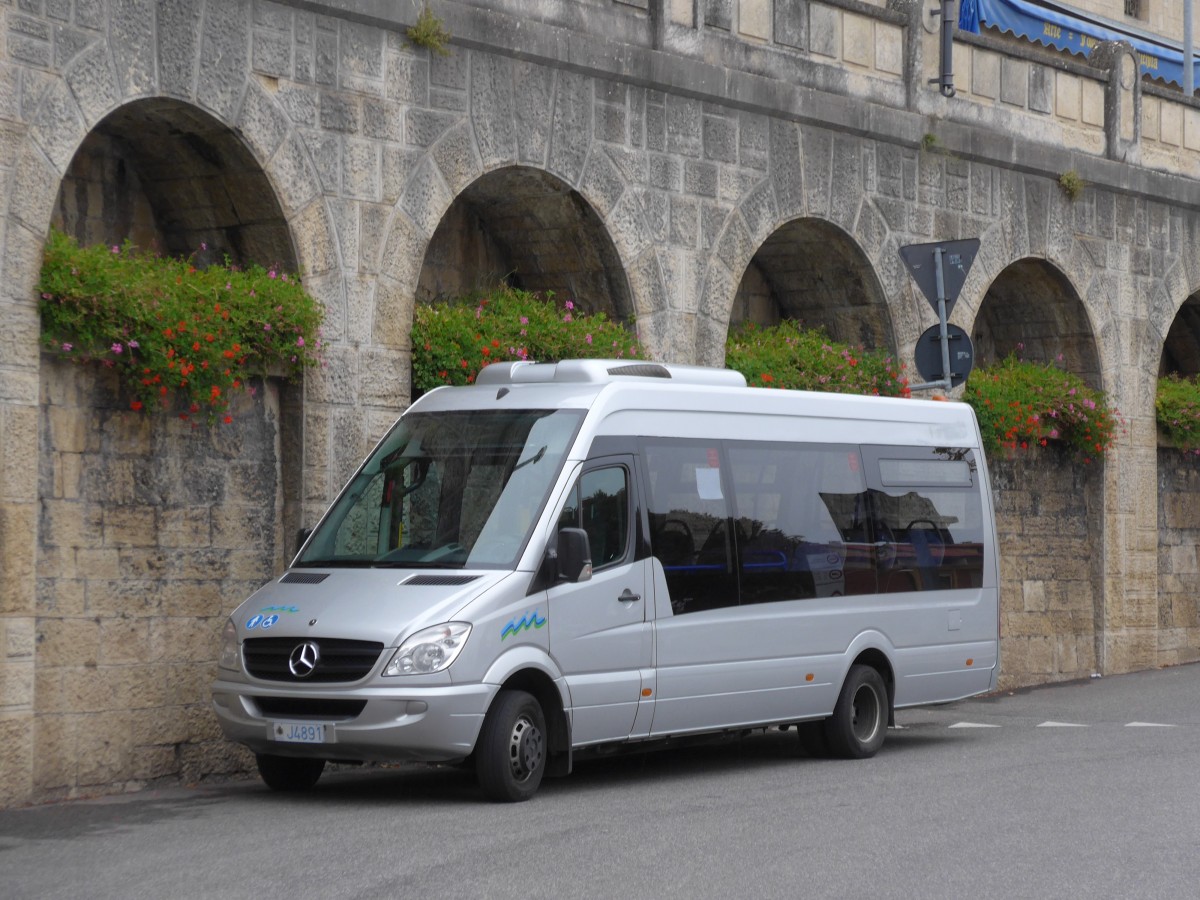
[{"x": 628, "y": 596}]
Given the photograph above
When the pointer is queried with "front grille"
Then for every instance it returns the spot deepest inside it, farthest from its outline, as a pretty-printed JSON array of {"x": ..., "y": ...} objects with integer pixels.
[
  {"x": 309, "y": 707},
  {"x": 340, "y": 660}
]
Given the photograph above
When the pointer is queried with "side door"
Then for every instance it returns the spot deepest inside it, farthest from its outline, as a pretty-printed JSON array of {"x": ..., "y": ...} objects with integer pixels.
[{"x": 599, "y": 636}]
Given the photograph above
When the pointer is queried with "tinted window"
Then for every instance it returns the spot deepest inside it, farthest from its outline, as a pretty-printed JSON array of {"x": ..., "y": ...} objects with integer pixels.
[
  {"x": 689, "y": 523},
  {"x": 599, "y": 504},
  {"x": 801, "y": 521},
  {"x": 931, "y": 527}
]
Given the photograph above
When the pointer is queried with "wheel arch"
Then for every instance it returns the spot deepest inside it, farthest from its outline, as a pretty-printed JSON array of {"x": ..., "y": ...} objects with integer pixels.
[
  {"x": 878, "y": 660},
  {"x": 545, "y": 691}
]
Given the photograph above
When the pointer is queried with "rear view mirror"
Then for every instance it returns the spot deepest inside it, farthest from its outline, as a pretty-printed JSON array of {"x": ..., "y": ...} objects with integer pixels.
[{"x": 574, "y": 555}]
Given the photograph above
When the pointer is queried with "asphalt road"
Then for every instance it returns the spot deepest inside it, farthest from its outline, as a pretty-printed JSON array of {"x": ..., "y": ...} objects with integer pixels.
[{"x": 1080, "y": 790}]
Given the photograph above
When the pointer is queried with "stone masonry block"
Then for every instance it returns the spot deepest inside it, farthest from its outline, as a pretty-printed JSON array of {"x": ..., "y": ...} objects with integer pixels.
[
  {"x": 791, "y": 24},
  {"x": 1014, "y": 81},
  {"x": 985, "y": 73},
  {"x": 754, "y": 18},
  {"x": 824, "y": 30},
  {"x": 1067, "y": 94},
  {"x": 858, "y": 40}
]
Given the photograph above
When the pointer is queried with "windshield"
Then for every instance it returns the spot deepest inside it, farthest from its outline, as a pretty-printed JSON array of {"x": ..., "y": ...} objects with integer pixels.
[{"x": 447, "y": 490}]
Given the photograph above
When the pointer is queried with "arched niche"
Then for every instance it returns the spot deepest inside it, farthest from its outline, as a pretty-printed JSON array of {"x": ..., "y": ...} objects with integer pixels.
[
  {"x": 811, "y": 270},
  {"x": 528, "y": 229},
  {"x": 1032, "y": 310}
]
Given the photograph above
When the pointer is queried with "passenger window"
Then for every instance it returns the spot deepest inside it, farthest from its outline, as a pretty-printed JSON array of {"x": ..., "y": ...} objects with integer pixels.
[
  {"x": 599, "y": 504},
  {"x": 690, "y": 524},
  {"x": 929, "y": 516},
  {"x": 802, "y": 522}
]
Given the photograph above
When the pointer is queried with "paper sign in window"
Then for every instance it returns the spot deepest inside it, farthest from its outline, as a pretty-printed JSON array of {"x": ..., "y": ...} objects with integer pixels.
[{"x": 708, "y": 484}]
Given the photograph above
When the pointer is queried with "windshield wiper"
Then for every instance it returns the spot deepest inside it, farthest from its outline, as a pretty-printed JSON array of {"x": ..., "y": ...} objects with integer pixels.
[{"x": 541, "y": 452}]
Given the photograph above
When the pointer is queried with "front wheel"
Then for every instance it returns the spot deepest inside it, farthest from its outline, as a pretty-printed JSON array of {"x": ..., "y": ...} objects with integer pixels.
[
  {"x": 288, "y": 773},
  {"x": 510, "y": 757},
  {"x": 859, "y": 721}
]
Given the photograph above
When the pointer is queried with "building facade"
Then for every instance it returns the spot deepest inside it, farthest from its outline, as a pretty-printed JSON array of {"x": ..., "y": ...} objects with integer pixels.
[{"x": 677, "y": 165}]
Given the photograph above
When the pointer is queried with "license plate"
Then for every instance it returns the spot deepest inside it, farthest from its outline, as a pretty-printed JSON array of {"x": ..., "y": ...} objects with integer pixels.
[{"x": 300, "y": 732}]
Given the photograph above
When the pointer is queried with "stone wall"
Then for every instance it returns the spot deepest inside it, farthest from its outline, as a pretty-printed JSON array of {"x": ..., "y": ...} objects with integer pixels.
[
  {"x": 1047, "y": 510},
  {"x": 151, "y": 531},
  {"x": 1178, "y": 557}
]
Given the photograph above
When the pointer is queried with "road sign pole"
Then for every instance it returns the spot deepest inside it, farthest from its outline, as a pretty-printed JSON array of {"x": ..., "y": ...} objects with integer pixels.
[
  {"x": 941, "y": 283},
  {"x": 941, "y": 291}
]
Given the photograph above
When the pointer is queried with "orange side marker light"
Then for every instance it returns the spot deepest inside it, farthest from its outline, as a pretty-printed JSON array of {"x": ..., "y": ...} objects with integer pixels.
[
  {"x": 646, "y": 692},
  {"x": 970, "y": 662},
  {"x": 809, "y": 676}
]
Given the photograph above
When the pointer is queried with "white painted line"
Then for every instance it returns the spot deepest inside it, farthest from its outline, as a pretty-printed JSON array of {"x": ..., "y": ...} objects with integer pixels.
[
  {"x": 1061, "y": 725},
  {"x": 972, "y": 725},
  {"x": 1148, "y": 725}
]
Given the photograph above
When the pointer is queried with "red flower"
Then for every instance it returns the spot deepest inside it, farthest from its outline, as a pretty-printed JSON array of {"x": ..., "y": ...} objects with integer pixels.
[{"x": 135, "y": 405}]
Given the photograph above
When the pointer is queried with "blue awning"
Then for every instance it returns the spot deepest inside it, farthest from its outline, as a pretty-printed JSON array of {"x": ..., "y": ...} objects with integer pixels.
[{"x": 1073, "y": 31}]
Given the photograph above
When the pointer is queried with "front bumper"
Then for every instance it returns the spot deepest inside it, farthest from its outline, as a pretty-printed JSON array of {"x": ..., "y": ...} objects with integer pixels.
[{"x": 426, "y": 724}]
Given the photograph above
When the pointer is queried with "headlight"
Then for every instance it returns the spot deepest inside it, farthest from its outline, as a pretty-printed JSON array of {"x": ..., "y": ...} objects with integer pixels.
[
  {"x": 429, "y": 650},
  {"x": 229, "y": 658}
]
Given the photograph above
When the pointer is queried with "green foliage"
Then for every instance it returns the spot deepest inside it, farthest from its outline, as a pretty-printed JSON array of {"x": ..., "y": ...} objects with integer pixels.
[
  {"x": 1022, "y": 405},
  {"x": 171, "y": 329},
  {"x": 453, "y": 340},
  {"x": 790, "y": 356},
  {"x": 1177, "y": 408},
  {"x": 1071, "y": 184},
  {"x": 429, "y": 32}
]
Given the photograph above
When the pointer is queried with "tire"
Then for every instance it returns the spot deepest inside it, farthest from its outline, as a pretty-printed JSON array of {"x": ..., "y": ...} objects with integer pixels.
[
  {"x": 510, "y": 756},
  {"x": 859, "y": 722},
  {"x": 288, "y": 773}
]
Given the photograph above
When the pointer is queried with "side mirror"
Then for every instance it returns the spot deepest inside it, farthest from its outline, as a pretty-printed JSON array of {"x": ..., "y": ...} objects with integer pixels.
[{"x": 574, "y": 555}]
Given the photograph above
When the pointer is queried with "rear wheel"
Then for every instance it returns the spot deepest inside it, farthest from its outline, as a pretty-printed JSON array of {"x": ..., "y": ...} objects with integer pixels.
[
  {"x": 510, "y": 757},
  {"x": 287, "y": 773},
  {"x": 859, "y": 722}
]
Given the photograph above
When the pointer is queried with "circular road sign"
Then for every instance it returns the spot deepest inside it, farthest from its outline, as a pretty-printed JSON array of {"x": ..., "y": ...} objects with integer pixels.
[{"x": 928, "y": 354}]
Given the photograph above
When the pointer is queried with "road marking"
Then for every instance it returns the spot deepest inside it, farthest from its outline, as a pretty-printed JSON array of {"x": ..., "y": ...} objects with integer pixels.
[
  {"x": 1061, "y": 725},
  {"x": 1148, "y": 725},
  {"x": 972, "y": 725}
]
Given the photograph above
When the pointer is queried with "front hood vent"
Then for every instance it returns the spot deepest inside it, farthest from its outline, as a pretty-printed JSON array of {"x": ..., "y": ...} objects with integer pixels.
[
  {"x": 303, "y": 577},
  {"x": 439, "y": 580}
]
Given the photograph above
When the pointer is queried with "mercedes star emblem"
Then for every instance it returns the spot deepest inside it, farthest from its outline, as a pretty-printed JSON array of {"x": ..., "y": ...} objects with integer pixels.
[{"x": 304, "y": 659}]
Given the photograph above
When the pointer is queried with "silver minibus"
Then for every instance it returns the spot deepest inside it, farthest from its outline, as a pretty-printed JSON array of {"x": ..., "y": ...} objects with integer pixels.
[{"x": 565, "y": 558}]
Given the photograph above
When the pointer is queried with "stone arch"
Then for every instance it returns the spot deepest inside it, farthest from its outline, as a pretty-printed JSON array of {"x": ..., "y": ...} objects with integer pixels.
[
  {"x": 530, "y": 127},
  {"x": 1178, "y": 480},
  {"x": 1052, "y": 584},
  {"x": 811, "y": 270},
  {"x": 527, "y": 228},
  {"x": 1031, "y": 308},
  {"x": 100, "y": 614}
]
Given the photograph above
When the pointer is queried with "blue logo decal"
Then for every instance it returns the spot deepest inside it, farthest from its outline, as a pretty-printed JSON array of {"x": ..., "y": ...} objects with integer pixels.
[
  {"x": 269, "y": 621},
  {"x": 253, "y": 622},
  {"x": 527, "y": 621}
]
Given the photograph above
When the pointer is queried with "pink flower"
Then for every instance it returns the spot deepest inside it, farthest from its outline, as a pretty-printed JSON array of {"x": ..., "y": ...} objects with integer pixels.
[
  {"x": 267, "y": 327},
  {"x": 67, "y": 348},
  {"x": 524, "y": 319},
  {"x": 588, "y": 338},
  {"x": 116, "y": 249},
  {"x": 133, "y": 345},
  {"x": 271, "y": 274},
  {"x": 116, "y": 348},
  {"x": 569, "y": 305},
  {"x": 299, "y": 342},
  {"x": 203, "y": 245}
]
